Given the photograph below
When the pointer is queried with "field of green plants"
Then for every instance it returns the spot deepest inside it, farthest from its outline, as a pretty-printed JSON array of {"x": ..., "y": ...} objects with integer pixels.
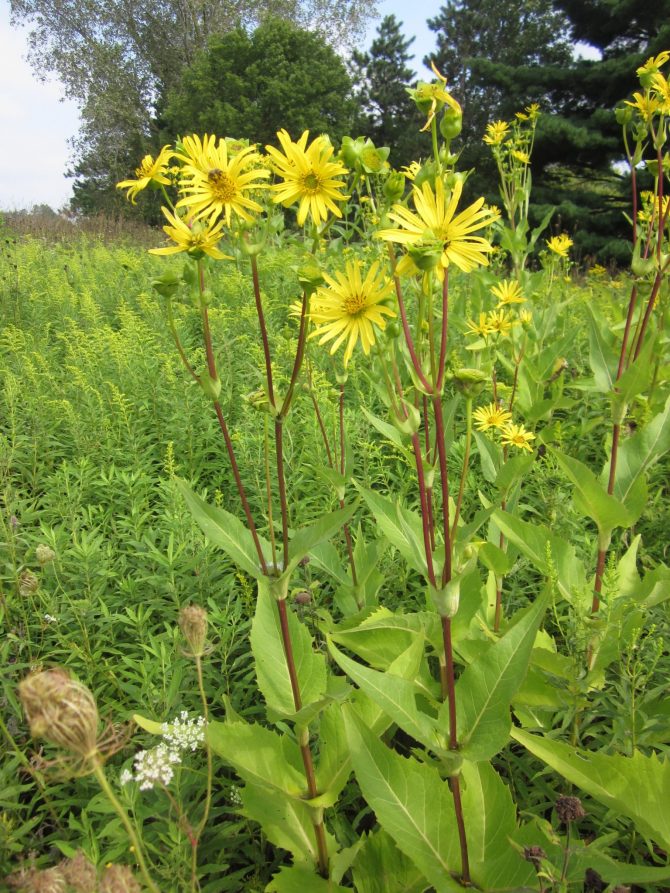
[{"x": 332, "y": 549}]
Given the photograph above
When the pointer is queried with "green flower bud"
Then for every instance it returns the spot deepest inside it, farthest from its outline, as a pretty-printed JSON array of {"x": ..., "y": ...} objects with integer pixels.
[
  {"x": 394, "y": 187},
  {"x": 167, "y": 284},
  {"x": 624, "y": 115},
  {"x": 447, "y": 599},
  {"x": 350, "y": 151},
  {"x": 211, "y": 386},
  {"x": 410, "y": 424},
  {"x": 426, "y": 257},
  {"x": 373, "y": 159},
  {"x": 310, "y": 277},
  {"x": 451, "y": 123},
  {"x": 469, "y": 381}
]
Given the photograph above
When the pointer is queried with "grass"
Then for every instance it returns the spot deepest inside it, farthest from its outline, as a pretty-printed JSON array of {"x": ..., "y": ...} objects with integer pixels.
[{"x": 97, "y": 419}]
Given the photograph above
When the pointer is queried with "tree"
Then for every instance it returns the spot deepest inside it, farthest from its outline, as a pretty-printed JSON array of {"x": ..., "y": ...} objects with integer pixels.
[
  {"x": 386, "y": 113},
  {"x": 250, "y": 86},
  {"x": 116, "y": 58},
  {"x": 531, "y": 33}
]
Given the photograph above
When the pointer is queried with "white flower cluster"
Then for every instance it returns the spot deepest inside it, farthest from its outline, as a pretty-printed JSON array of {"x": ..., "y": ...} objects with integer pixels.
[
  {"x": 156, "y": 766},
  {"x": 184, "y": 733}
]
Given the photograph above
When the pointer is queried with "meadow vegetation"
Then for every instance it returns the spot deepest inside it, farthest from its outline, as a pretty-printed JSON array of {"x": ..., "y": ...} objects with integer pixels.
[{"x": 332, "y": 550}]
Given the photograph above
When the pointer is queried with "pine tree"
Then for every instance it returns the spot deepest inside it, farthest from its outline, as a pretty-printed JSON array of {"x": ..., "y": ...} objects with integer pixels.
[{"x": 386, "y": 113}]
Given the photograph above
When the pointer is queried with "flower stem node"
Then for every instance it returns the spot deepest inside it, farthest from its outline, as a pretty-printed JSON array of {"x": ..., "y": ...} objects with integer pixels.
[
  {"x": 167, "y": 284},
  {"x": 277, "y": 585},
  {"x": 409, "y": 423},
  {"x": 447, "y": 598},
  {"x": 211, "y": 386}
]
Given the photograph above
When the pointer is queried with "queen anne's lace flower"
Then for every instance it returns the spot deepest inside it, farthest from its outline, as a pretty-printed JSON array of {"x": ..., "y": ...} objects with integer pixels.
[
  {"x": 184, "y": 733},
  {"x": 155, "y": 766}
]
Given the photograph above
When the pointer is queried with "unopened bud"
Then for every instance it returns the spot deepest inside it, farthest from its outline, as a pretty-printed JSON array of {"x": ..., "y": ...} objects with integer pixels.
[
  {"x": 44, "y": 554},
  {"x": 60, "y": 710},
  {"x": 303, "y": 598},
  {"x": 469, "y": 381},
  {"x": 193, "y": 626},
  {"x": 451, "y": 123}
]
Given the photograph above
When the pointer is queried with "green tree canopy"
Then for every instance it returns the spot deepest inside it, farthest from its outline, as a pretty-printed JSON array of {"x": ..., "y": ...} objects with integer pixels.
[{"x": 251, "y": 85}]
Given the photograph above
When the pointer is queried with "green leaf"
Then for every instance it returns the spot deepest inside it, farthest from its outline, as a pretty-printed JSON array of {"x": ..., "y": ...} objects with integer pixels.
[
  {"x": 395, "y": 696},
  {"x": 380, "y": 867},
  {"x": 591, "y": 498},
  {"x": 381, "y": 636},
  {"x": 603, "y": 356},
  {"x": 495, "y": 559},
  {"x": 390, "y": 432},
  {"x": 537, "y": 544},
  {"x": 154, "y": 728},
  {"x": 636, "y": 455},
  {"x": 490, "y": 820},
  {"x": 259, "y": 755},
  {"x": 490, "y": 455},
  {"x": 401, "y": 527},
  {"x": 613, "y": 872},
  {"x": 287, "y": 822},
  {"x": 271, "y": 667},
  {"x": 412, "y": 804},
  {"x": 308, "y": 537},
  {"x": 299, "y": 879},
  {"x": 513, "y": 471},
  {"x": 637, "y": 787},
  {"x": 486, "y": 687},
  {"x": 225, "y": 531},
  {"x": 334, "y": 767}
]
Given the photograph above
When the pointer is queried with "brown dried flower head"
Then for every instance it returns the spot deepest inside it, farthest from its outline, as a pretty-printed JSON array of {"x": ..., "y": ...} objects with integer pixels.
[
  {"x": 569, "y": 809},
  {"x": 534, "y": 855},
  {"x": 118, "y": 879},
  {"x": 193, "y": 625},
  {"x": 60, "y": 710},
  {"x": 35, "y": 881},
  {"x": 80, "y": 875},
  {"x": 28, "y": 583}
]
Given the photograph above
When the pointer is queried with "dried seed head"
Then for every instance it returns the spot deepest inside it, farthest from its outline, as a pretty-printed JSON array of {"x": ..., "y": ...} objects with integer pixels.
[
  {"x": 79, "y": 874},
  {"x": 534, "y": 855},
  {"x": 118, "y": 879},
  {"x": 303, "y": 598},
  {"x": 44, "y": 554},
  {"x": 193, "y": 625},
  {"x": 28, "y": 583},
  {"x": 35, "y": 881},
  {"x": 61, "y": 710},
  {"x": 569, "y": 809}
]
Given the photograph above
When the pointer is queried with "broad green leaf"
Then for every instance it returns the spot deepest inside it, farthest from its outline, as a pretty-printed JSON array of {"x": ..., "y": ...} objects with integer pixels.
[
  {"x": 401, "y": 527},
  {"x": 395, "y": 696},
  {"x": 149, "y": 725},
  {"x": 271, "y": 667},
  {"x": 638, "y": 375},
  {"x": 536, "y": 543},
  {"x": 485, "y": 689},
  {"x": 225, "y": 531},
  {"x": 513, "y": 471},
  {"x": 412, "y": 804},
  {"x": 380, "y": 867},
  {"x": 308, "y": 537},
  {"x": 613, "y": 872},
  {"x": 287, "y": 822},
  {"x": 591, "y": 498},
  {"x": 259, "y": 755},
  {"x": 300, "y": 879},
  {"x": 390, "y": 432},
  {"x": 490, "y": 456},
  {"x": 334, "y": 766},
  {"x": 381, "y": 636},
  {"x": 603, "y": 356},
  {"x": 637, "y": 787},
  {"x": 495, "y": 559},
  {"x": 490, "y": 820},
  {"x": 326, "y": 557},
  {"x": 636, "y": 455}
]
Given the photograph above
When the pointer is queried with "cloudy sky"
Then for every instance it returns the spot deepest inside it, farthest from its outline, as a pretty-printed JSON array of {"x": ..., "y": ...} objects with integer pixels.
[{"x": 38, "y": 121}]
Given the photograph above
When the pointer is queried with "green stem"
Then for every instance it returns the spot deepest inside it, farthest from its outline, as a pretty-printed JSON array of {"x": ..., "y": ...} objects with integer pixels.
[{"x": 99, "y": 773}]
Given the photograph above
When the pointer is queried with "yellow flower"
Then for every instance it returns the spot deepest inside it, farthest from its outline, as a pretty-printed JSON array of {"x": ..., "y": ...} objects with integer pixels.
[
  {"x": 215, "y": 182},
  {"x": 508, "y": 292},
  {"x": 523, "y": 157},
  {"x": 481, "y": 328},
  {"x": 491, "y": 416},
  {"x": 309, "y": 177},
  {"x": 653, "y": 65},
  {"x": 431, "y": 98},
  {"x": 197, "y": 239},
  {"x": 496, "y": 133},
  {"x": 499, "y": 321},
  {"x": 411, "y": 170},
  {"x": 661, "y": 89},
  {"x": 150, "y": 171},
  {"x": 525, "y": 318},
  {"x": 350, "y": 308},
  {"x": 517, "y": 436},
  {"x": 597, "y": 270},
  {"x": 434, "y": 224},
  {"x": 560, "y": 245},
  {"x": 645, "y": 104},
  {"x": 533, "y": 111}
]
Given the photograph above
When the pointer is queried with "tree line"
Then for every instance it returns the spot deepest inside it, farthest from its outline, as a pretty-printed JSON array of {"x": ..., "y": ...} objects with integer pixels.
[{"x": 143, "y": 73}]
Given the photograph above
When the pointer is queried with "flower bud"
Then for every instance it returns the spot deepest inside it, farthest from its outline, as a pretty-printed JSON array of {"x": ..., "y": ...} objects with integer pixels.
[
  {"x": 451, "y": 123},
  {"x": 310, "y": 277},
  {"x": 394, "y": 186},
  {"x": 60, "y": 710},
  {"x": 211, "y": 386},
  {"x": 193, "y": 626},
  {"x": 167, "y": 284},
  {"x": 624, "y": 115},
  {"x": 44, "y": 554},
  {"x": 469, "y": 381}
]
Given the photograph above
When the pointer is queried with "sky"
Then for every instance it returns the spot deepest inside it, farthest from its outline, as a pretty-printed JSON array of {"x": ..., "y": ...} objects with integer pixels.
[{"x": 39, "y": 121}]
